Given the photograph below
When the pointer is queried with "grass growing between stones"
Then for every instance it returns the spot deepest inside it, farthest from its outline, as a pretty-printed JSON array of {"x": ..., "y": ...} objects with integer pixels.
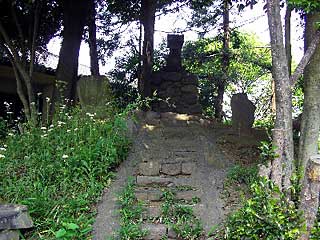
[
  {"x": 59, "y": 171},
  {"x": 180, "y": 217},
  {"x": 130, "y": 214}
]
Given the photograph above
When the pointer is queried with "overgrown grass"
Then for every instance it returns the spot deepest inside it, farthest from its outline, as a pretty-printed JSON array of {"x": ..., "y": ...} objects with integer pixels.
[
  {"x": 130, "y": 214},
  {"x": 180, "y": 217},
  {"x": 59, "y": 171}
]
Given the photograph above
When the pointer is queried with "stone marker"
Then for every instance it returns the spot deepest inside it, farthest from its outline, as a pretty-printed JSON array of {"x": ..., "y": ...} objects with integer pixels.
[
  {"x": 12, "y": 219},
  {"x": 242, "y": 113},
  {"x": 174, "y": 43},
  {"x": 94, "y": 94}
]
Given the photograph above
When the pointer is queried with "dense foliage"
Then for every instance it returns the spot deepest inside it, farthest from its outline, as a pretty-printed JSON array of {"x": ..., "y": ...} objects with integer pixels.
[
  {"x": 59, "y": 171},
  {"x": 266, "y": 215},
  {"x": 249, "y": 70}
]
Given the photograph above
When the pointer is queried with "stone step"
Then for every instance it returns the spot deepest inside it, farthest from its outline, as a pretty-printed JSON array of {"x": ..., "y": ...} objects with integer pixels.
[
  {"x": 152, "y": 180},
  {"x": 152, "y": 211},
  {"x": 178, "y": 168},
  {"x": 146, "y": 194},
  {"x": 155, "y": 231},
  {"x": 189, "y": 195},
  {"x": 151, "y": 168}
]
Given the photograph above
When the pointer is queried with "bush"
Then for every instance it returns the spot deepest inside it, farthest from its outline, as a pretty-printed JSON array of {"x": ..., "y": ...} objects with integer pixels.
[
  {"x": 3, "y": 128},
  {"x": 59, "y": 171},
  {"x": 266, "y": 215}
]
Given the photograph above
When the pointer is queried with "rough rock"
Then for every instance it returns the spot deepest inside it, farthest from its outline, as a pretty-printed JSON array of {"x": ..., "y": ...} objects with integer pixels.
[
  {"x": 156, "y": 231},
  {"x": 147, "y": 181},
  {"x": 9, "y": 235},
  {"x": 149, "y": 168},
  {"x": 242, "y": 113},
  {"x": 14, "y": 217},
  {"x": 148, "y": 194},
  {"x": 171, "y": 169},
  {"x": 188, "y": 167}
]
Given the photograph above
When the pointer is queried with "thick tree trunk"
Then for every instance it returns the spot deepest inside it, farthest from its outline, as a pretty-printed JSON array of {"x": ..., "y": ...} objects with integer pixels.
[
  {"x": 310, "y": 194},
  {"x": 282, "y": 166},
  {"x": 225, "y": 61},
  {"x": 148, "y": 10},
  {"x": 310, "y": 124},
  {"x": 287, "y": 36},
  {"x": 94, "y": 62},
  {"x": 74, "y": 18}
]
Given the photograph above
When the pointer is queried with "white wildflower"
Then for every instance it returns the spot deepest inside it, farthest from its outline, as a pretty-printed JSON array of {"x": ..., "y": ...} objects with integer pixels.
[
  {"x": 64, "y": 156},
  {"x": 68, "y": 130},
  {"x": 39, "y": 93},
  {"x": 3, "y": 149},
  {"x": 47, "y": 99},
  {"x": 2, "y": 156},
  {"x": 43, "y": 128}
]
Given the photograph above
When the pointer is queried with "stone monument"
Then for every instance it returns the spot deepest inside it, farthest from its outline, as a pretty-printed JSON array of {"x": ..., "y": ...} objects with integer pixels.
[
  {"x": 242, "y": 113},
  {"x": 177, "y": 88},
  {"x": 94, "y": 94}
]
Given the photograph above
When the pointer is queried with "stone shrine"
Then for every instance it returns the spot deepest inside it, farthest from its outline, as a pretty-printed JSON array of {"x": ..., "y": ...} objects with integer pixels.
[{"x": 177, "y": 89}]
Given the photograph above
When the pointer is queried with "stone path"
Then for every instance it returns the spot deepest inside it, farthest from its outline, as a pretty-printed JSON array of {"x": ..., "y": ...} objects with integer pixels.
[{"x": 174, "y": 152}]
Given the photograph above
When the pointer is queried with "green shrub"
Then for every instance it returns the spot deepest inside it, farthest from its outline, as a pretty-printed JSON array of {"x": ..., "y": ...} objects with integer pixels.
[
  {"x": 60, "y": 170},
  {"x": 241, "y": 174},
  {"x": 3, "y": 128},
  {"x": 266, "y": 215}
]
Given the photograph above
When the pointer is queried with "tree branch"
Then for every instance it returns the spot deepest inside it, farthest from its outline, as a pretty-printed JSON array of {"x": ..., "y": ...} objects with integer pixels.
[{"x": 306, "y": 58}]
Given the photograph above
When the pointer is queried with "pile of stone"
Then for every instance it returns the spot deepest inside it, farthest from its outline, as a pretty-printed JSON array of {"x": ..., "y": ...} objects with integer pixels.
[
  {"x": 177, "y": 89},
  {"x": 178, "y": 92},
  {"x": 13, "y": 218}
]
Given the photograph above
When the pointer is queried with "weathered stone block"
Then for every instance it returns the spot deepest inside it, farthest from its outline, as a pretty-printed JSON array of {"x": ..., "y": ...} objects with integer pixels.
[
  {"x": 9, "y": 235},
  {"x": 242, "y": 113},
  {"x": 149, "y": 168},
  {"x": 172, "y": 234},
  {"x": 187, "y": 195},
  {"x": 171, "y": 169},
  {"x": 14, "y": 217},
  {"x": 188, "y": 168},
  {"x": 190, "y": 89},
  {"x": 156, "y": 231},
  {"x": 152, "y": 211},
  {"x": 151, "y": 180},
  {"x": 190, "y": 79},
  {"x": 95, "y": 94},
  {"x": 171, "y": 77},
  {"x": 148, "y": 195}
]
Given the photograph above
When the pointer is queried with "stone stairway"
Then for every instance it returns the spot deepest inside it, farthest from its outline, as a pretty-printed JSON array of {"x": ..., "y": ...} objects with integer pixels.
[{"x": 176, "y": 154}]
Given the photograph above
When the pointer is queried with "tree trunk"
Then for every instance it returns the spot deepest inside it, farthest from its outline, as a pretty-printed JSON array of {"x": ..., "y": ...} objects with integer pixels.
[
  {"x": 148, "y": 10},
  {"x": 310, "y": 124},
  {"x": 282, "y": 166},
  {"x": 94, "y": 62},
  {"x": 310, "y": 194},
  {"x": 74, "y": 18},
  {"x": 225, "y": 61},
  {"x": 287, "y": 36}
]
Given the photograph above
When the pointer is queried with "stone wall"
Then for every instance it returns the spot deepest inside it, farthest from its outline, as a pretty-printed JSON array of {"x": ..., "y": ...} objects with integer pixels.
[{"x": 178, "y": 91}]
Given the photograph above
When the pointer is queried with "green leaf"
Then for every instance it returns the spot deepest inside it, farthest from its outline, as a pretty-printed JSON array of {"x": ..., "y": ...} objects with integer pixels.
[
  {"x": 72, "y": 226},
  {"x": 61, "y": 233}
]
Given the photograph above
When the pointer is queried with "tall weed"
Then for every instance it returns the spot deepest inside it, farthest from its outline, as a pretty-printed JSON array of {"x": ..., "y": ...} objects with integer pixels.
[{"x": 60, "y": 170}]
